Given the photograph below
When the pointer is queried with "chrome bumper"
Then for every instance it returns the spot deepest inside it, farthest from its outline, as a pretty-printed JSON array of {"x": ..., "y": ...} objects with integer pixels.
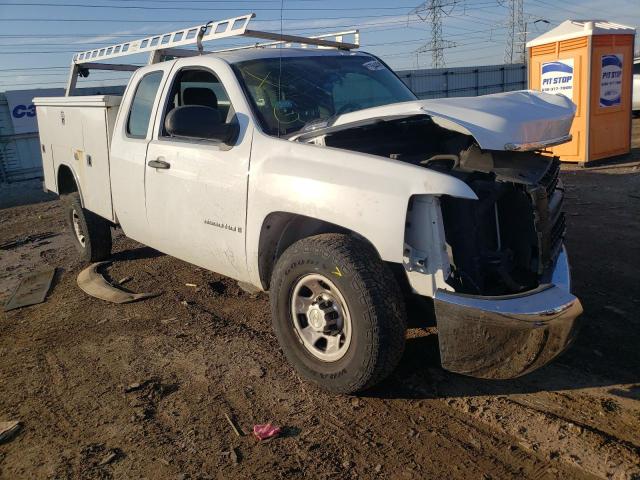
[{"x": 508, "y": 336}]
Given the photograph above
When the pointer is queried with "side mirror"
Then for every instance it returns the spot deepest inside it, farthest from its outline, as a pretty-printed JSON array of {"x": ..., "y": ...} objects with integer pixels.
[{"x": 196, "y": 121}]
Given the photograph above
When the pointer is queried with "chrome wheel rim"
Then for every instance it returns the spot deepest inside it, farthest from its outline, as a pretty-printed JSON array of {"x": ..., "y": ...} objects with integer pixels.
[
  {"x": 77, "y": 228},
  {"x": 321, "y": 318}
]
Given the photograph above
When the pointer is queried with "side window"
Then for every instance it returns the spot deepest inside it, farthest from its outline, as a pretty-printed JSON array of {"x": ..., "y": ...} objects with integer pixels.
[
  {"x": 142, "y": 104},
  {"x": 198, "y": 87}
]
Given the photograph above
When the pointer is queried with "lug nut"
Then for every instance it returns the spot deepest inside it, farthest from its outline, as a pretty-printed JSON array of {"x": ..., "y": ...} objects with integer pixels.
[
  {"x": 332, "y": 315},
  {"x": 331, "y": 321},
  {"x": 326, "y": 305}
]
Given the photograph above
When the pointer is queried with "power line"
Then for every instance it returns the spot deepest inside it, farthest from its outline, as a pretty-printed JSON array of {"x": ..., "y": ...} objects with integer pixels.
[
  {"x": 382, "y": 25},
  {"x": 444, "y": 3},
  {"x": 36, "y": 74},
  {"x": 146, "y": 8}
]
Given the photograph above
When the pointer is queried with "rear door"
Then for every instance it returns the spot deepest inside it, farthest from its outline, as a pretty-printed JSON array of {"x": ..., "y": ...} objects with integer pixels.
[{"x": 196, "y": 199}]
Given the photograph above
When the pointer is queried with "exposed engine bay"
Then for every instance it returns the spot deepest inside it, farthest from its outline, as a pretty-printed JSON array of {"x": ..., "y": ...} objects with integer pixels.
[{"x": 503, "y": 242}]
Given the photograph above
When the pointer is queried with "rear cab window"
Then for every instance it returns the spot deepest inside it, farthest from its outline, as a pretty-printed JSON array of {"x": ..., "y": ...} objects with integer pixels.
[{"x": 142, "y": 105}]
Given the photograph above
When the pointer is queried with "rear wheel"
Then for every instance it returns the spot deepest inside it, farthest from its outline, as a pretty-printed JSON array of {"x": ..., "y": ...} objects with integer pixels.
[
  {"x": 338, "y": 312},
  {"x": 91, "y": 233}
]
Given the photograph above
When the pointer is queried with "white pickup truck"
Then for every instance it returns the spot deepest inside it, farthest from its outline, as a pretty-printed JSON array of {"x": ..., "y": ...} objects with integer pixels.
[{"x": 317, "y": 175}]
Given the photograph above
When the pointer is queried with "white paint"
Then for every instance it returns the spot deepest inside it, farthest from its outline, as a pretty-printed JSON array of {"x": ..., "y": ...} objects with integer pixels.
[
  {"x": 196, "y": 210},
  {"x": 364, "y": 193},
  {"x": 425, "y": 257},
  {"x": 75, "y": 131},
  {"x": 494, "y": 121}
]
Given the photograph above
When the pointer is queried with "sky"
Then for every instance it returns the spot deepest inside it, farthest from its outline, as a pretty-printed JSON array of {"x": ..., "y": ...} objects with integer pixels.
[{"x": 39, "y": 37}]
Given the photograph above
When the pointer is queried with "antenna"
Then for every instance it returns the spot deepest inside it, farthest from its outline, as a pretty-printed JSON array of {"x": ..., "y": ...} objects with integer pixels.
[{"x": 433, "y": 11}]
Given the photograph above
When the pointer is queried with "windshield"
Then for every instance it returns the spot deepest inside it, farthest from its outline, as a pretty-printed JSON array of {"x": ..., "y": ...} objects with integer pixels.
[{"x": 316, "y": 88}]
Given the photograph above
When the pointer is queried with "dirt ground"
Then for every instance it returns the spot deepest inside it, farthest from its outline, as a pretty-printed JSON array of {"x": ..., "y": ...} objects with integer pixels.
[{"x": 69, "y": 369}]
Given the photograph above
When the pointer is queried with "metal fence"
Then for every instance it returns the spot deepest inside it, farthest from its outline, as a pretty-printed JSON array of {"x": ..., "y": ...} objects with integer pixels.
[{"x": 465, "y": 81}]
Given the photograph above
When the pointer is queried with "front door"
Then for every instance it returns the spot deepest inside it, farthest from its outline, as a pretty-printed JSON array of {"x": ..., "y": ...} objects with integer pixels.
[
  {"x": 196, "y": 189},
  {"x": 131, "y": 137}
]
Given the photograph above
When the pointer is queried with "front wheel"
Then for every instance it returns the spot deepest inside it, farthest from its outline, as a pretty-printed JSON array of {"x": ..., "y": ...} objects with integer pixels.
[{"x": 338, "y": 312}]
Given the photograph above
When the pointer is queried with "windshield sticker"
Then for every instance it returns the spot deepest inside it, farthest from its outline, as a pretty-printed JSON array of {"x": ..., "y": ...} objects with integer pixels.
[{"x": 373, "y": 65}]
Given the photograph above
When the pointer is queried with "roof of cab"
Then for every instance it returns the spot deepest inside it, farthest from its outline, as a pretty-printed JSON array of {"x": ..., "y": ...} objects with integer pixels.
[{"x": 237, "y": 56}]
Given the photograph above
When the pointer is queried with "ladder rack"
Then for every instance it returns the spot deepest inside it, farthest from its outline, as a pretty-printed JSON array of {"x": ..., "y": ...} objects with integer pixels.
[{"x": 167, "y": 44}]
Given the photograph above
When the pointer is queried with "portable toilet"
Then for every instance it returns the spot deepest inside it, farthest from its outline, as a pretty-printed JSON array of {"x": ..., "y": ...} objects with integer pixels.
[{"x": 591, "y": 62}]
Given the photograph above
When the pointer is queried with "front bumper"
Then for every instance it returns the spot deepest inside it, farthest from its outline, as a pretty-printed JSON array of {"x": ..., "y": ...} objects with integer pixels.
[{"x": 508, "y": 336}]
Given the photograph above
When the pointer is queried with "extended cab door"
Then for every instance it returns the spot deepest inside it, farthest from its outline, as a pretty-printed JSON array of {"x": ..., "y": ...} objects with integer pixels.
[
  {"x": 128, "y": 153},
  {"x": 196, "y": 189}
]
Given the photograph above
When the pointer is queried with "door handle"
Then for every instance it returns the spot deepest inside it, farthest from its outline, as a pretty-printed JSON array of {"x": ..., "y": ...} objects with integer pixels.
[{"x": 159, "y": 163}]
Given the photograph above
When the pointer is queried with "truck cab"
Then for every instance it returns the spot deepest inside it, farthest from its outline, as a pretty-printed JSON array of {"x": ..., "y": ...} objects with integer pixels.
[{"x": 316, "y": 175}]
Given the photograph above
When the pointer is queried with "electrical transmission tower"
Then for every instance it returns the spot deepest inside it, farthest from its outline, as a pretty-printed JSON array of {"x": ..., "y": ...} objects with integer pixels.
[
  {"x": 432, "y": 11},
  {"x": 515, "y": 50}
]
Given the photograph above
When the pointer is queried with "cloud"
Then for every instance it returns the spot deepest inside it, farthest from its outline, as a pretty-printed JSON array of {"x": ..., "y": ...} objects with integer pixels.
[{"x": 143, "y": 30}]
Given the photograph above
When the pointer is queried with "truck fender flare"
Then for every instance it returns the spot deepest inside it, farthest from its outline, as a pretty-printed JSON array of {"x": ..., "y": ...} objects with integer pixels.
[
  {"x": 75, "y": 180},
  {"x": 281, "y": 229}
]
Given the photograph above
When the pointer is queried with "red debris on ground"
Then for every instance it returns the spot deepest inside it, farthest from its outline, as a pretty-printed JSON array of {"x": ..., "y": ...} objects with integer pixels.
[{"x": 266, "y": 431}]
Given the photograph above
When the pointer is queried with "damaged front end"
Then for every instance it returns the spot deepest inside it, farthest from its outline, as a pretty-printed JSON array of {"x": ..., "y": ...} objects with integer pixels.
[
  {"x": 503, "y": 242},
  {"x": 511, "y": 310},
  {"x": 496, "y": 266}
]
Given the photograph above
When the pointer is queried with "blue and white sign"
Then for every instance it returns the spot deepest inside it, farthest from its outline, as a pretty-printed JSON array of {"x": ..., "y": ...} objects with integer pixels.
[
  {"x": 611, "y": 80},
  {"x": 557, "y": 77},
  {"x": 22, "y": 110}
]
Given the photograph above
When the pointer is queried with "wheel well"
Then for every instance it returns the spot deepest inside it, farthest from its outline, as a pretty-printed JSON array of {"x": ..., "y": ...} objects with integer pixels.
[
  {"x": 66, "y": 181},
  {"x": 280, "y": 230}
]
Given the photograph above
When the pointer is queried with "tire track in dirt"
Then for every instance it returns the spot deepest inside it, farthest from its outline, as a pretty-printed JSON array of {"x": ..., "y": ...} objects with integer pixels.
[{"x": 582, "y": 447}]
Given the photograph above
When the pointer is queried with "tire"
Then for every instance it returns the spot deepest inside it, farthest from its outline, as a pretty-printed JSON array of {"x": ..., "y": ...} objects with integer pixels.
[
  {"x": 91, "y": 233},
  {"x": 362, "y": 294}
]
